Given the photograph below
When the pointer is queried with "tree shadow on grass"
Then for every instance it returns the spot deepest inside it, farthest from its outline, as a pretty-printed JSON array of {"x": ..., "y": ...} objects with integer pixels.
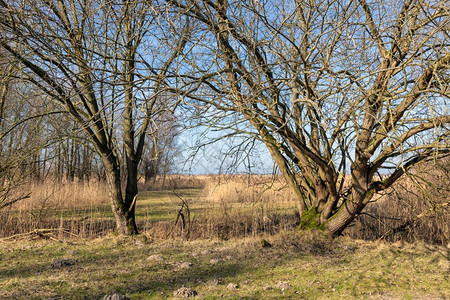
[
  {"x": 163, "y": 285},
  {"x": 23, "y": 271}
]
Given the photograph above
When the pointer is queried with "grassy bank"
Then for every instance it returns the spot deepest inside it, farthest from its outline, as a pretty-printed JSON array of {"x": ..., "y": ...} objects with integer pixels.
[{"x": 296, "y": 266}]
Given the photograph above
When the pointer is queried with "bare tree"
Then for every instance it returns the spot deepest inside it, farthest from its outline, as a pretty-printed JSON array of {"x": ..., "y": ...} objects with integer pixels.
[
  {"x": 21, "y": 137},
  {"x": 106, "y": 64},
  {"x": 340, "y": 92},
  {"x": 160, "y": 151},
  {"x": 8, "y": 168}
]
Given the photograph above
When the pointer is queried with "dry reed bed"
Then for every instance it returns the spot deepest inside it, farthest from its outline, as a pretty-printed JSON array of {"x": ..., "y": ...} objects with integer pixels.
[
  {"x": 415, "y": 208},
  {"x": 238, "y": 206},
  {"x": 75, "y": 206}
]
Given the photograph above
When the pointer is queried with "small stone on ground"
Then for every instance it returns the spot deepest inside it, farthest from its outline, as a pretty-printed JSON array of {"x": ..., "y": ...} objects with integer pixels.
[
  {"x": 185, "y": 292},
  {"x": 232, "y": 286},
  {"x": 60, "y": 263},
  {"x": 283, "y": 285},
  {"x": 115, "y": 297},
  {"x": 185, "y": 265},
  {"x": 156, "y": 257}
]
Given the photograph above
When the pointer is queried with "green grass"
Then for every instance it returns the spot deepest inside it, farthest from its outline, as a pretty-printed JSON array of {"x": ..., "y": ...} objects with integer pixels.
[
  {"x": 164, "y": 205},
  {"x": 314, "y": 267}
]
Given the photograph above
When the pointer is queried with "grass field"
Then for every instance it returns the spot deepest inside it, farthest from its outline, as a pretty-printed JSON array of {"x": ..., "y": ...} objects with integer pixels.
[
  {"x": 296, "y": 266},
  {"x": 222, "y": 210}
]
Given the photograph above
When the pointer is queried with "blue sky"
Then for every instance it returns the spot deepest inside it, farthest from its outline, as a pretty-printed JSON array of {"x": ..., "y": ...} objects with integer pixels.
[{"x": 224, "y": 156}]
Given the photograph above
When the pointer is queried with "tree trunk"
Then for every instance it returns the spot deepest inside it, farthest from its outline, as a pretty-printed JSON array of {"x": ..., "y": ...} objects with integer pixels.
[
  {"x": 360, "y": 196},
  {"x": 346, "y": 214},
  {"x": 124, "y": 211},
  {"x": 131, "y": 192}
]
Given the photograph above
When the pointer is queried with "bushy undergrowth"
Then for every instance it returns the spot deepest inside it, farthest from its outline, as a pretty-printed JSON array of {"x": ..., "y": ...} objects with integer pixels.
[{"x": 417, "y": 207}]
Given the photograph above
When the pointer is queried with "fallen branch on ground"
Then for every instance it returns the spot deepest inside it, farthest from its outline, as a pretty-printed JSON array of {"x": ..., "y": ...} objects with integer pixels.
[{"x": 46, "y": 233}]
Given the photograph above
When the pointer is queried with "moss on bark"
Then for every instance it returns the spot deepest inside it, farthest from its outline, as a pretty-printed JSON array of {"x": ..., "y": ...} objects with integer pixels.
[{"x": 311, "y": 220}]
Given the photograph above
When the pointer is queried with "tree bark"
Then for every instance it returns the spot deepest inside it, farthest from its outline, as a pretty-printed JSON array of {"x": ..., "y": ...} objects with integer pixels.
[
  {"x": 123, "y": 209},
  {"x": 360, "y": 196}
]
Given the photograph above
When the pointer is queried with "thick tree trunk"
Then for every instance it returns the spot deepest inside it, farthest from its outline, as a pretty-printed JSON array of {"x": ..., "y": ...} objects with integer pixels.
[
  {"x": 359, "y": 198},
  {"x": 123, "y": 209},
  {"x": 346, "y": 214}
]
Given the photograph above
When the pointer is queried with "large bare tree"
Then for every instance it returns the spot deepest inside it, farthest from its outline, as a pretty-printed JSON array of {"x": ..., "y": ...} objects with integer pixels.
[
  {"x": 106, "y": 63},
  {"x": 346, "y": 95}
]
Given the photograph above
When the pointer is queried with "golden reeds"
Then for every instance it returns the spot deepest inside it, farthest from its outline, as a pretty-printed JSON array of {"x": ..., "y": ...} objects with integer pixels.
[{"x": 228, "y": 206}]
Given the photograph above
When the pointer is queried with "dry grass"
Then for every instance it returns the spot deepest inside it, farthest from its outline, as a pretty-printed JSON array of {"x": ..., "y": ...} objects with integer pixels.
[
  {"x": 243, "y": 206},
  {"x": 173, "y": 181},
  {"x": 247, "y": 189},
  {"x": 227, "y": 206},
  {"x": 77, "y": 206},
  {"x": 231, "y": 206},
  {"x": 272, "y": 261},
  {"x": 63, "y": 195},
  {"x": 415, "y": 208}
]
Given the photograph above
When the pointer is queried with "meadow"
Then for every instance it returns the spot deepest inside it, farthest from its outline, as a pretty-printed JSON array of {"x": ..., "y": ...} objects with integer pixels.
[{"x": 295, "y": 266}]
